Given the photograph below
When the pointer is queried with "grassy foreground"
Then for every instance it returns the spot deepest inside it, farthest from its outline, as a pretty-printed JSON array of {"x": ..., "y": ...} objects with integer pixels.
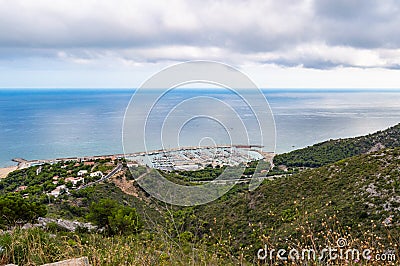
[{"x": 37, "y": 246}]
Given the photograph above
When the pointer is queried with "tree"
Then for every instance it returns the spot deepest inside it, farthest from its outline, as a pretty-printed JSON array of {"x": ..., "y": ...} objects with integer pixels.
[
  {"x": 124, "y": 219},
  {"x": 113, "y": 217},
  {"x": 16, "y": 210}
]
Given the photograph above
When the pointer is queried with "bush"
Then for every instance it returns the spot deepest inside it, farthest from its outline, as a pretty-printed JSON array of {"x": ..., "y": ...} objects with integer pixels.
[{"x": 114, "y": 218}]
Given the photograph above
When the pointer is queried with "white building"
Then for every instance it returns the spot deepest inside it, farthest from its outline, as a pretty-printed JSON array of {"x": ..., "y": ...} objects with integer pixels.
[
  {"x": 74, "y": 180},
  {"x": 82, "y": 172},
  {"x": 57, "y": 191},
  {"x": 132, "y": 164},
  {"x": 186, "y": 167},
  {"x": 39, "y": 170}
]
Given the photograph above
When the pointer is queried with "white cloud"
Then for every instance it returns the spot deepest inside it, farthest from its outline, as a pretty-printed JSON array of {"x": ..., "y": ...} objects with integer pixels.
[
  {"x": 320, "y": 55},
  {"x": 103, "y": 34}
]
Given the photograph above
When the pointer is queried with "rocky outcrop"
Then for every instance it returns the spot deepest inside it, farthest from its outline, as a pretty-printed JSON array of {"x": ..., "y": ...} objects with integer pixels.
[
  {"x": 71, "y": 262},
  {"x": 68, "y": 225}
]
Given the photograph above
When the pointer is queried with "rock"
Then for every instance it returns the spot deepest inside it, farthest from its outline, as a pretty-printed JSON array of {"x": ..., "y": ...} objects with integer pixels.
[
  {"x": 69, "y": 225},
  {"x": 378, "y": 146},
  {"x": 72, "y": 262}
]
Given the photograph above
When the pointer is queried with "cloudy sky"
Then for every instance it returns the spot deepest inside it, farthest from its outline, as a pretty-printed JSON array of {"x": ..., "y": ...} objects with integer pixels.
[{"x": 279, "y": 44}]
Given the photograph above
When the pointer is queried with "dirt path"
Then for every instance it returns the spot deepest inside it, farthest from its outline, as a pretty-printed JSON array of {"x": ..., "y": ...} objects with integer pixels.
[{"x": 127, "y": 186}]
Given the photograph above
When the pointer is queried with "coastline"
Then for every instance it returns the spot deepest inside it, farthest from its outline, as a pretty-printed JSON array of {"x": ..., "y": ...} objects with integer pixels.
[
  {"x": 4, "y": 171},
  {"x": 22, "y": 163}
]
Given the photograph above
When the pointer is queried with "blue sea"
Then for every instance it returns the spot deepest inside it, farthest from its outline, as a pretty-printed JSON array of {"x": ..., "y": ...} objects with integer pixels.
[{"x": 52, "y": 123}]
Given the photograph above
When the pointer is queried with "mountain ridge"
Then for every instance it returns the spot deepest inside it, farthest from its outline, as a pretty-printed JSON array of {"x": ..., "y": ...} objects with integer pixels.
[{"x": 331, "y": 151}]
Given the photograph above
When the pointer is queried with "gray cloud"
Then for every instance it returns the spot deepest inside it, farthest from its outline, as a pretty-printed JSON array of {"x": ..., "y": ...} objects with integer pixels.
[
  {"x": 286, "y": 32},
  {"x": 359, "y": 23}
]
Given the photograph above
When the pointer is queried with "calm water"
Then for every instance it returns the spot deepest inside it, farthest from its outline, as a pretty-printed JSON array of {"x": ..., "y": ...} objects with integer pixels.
[{"x": 39, "y": 124}]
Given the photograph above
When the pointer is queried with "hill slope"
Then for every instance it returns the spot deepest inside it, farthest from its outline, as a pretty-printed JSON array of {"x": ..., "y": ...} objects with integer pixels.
[
  {"x": 356, "y": 198},
  {"x": 335, "y": 150},
  {"x": 352, "y": 197}
]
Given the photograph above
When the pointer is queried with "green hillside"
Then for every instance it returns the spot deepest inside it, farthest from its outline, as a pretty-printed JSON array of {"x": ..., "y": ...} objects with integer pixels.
[
  {"x": 352, "y": 197},
  {"x": 356, "y": 199},
  {"x": 335, "y": 150}
]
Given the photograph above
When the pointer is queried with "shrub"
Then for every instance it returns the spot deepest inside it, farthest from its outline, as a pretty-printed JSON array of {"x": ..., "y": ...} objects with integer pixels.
[{"x": 114, "y": 218}]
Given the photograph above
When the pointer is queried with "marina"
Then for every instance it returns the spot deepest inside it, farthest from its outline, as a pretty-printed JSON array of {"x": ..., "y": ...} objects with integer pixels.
[{"x": 182, "y": 158}]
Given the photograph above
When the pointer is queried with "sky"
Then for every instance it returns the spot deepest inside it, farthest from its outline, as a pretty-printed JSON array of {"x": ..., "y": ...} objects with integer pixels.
[{"x": 278, "y": 44}]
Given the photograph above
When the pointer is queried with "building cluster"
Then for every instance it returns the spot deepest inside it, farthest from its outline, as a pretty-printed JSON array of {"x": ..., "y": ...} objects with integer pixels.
[
  {"x": 189, "y": 159},
  {"x": 75, "y": 181}
]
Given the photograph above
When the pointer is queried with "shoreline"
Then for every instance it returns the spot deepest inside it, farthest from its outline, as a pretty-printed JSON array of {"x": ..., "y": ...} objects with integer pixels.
[
  {"x": 4, "y": 171},
  {"x": 23, "y": 163}
]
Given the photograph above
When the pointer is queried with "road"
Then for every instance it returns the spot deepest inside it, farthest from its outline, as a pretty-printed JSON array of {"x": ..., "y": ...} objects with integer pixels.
[
  {"x": 110, "y": 174},
  {"x": 238, "y": 180}
]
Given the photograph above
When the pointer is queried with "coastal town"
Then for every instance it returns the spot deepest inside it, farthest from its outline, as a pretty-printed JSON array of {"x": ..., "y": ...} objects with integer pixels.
[
  {"x": 59, "y": 178},
  {"x": 75, "y": 173},
  {"x": 182, "y": 158}
]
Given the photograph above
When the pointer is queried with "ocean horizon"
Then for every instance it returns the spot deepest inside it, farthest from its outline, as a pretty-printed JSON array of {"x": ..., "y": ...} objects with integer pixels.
[{"x": 54, "y": 123}]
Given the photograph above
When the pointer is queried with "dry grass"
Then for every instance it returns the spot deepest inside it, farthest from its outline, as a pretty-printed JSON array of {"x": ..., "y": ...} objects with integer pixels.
[
  {"x": 334, "y": 235},
  {"x": 36, "y": 247}
]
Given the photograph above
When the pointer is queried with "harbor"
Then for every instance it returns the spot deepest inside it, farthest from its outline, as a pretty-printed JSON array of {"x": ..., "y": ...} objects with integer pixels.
[{"x": 182, "y": 158}]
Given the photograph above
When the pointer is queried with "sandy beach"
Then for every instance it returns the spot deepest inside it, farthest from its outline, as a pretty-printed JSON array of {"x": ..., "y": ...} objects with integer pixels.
[{"x": 6, "y": 170}]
